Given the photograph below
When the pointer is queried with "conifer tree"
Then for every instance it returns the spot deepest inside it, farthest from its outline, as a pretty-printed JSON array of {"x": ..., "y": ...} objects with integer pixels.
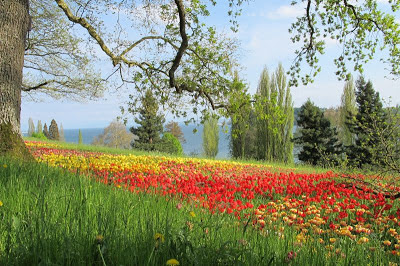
[
  {"x": 150, "y": 124},
  {"x": 62, "y": 137},
  {"x": 370, "y": 114},
  {"x": 347, "y": 109},
  {"x": 53, "y": 131},
  {"x": 211, "y": 137},
  {"x": 31, "y": 127},
  {"x": 39, "y": 128},
  {"x": 80, "y": 138},
  {"x": 45, "y": 131},
  {"x": 317, "y": 138}
]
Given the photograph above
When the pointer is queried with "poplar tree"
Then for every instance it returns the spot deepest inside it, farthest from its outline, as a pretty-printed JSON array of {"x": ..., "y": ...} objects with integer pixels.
[
  {"x": 39, "y": 127},
  {"x": 80, "y": 138},
  {"x": 275, "y": 117},
  {"x": 31, "y": 127},
  {"x": 211, "y": 137},
  {"x": 347, "y": 109},
  {"x": 62, "y": 137}
]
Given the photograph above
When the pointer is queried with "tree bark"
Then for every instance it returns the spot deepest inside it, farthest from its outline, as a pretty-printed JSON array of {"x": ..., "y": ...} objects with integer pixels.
[{"x": 14, "y": 24}]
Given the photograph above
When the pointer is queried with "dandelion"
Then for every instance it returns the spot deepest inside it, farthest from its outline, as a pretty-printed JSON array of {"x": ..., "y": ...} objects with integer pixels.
[
  {"x": 159, "y": 237},
  {"x": 99, "y": 239},
  {"x": 172, "y": 262},
  {"x": 192, "y": 214}
]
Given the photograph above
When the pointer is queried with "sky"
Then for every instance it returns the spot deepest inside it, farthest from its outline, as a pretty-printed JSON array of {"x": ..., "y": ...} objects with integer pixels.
[{"x": 265, "y": 42}]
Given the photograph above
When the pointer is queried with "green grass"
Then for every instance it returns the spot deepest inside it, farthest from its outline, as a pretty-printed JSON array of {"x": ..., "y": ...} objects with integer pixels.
[{"x": 52, "y": 217}]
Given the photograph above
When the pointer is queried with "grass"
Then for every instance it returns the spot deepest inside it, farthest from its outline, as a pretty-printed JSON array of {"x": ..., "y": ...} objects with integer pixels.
[{"x": 50, "y": 216}]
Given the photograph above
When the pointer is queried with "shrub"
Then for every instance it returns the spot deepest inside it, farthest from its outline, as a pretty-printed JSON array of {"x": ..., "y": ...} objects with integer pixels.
[
  {"x": 170, "y": 144},
  {"x": 39, "y": 135}
]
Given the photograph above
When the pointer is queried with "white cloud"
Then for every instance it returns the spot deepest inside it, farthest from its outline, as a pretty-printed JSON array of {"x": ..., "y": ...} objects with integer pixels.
[{"x": 286, "y": 12}]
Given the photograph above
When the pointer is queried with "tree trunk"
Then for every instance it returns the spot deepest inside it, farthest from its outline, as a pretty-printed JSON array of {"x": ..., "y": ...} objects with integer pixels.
[{"x": 14, "y": 23}]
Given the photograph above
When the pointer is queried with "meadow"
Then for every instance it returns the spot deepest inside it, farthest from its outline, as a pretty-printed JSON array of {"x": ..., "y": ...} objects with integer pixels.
[{"x": 82, "y": 205}]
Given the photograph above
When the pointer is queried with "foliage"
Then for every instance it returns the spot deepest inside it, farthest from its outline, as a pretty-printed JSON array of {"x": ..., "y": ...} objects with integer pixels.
[
  {"x": 58, "y": 60},
  {"x": 361, "y": 28},
  {"x": 53, "y": 131},
  {"x": 242, "y": 121},
  {"x": 318, "y": 140},
  {"x": 370, "y": 114},
  {"x": 149, "y": 123},
  {"x": 174, "y": 128},
  {"x": 347, "y": 108},
  {"x": 31, "y": 127},
  {"x": 211, "y": 137},
  {"x": 170, "y": 144},
  {"x": 80, "y": 138},
  {"x": 40, "y": 136},
  {"x": 115, "y": 135}
]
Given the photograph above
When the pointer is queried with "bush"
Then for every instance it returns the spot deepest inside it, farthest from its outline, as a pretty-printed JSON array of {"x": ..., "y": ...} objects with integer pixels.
[
  {"x": 170, "y": 144},
  {"x": 39, "y": 135}
]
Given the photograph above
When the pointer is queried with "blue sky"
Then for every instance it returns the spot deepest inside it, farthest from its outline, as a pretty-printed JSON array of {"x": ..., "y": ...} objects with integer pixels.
[{"x": 265, "y": 41}]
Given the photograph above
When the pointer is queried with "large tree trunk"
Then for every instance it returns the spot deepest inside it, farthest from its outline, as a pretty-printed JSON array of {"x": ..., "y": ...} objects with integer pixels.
[{"x": 14, "y": 23}]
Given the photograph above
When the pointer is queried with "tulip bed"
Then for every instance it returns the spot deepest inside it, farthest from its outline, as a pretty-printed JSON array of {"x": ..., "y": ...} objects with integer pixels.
[{"x": 320, "y": 207}]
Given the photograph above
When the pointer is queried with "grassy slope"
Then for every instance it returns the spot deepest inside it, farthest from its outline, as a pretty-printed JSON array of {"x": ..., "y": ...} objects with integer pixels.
[{"x": 50, "y": 216}]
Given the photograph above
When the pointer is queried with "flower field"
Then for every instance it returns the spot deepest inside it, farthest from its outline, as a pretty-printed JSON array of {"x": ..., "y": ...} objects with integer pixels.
[{"x": 318, "y": 207}]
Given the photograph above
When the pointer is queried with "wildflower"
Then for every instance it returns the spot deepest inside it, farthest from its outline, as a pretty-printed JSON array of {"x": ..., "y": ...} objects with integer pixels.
[
  {"x": 332, "y": 240},
  {"x": 387, "y": 243},
  {"x": 159, "y": 237},
  {"x": 321, "y": 241},
  {"x": 172, "y": 262},
  {"x": 291, "y": 255},
  {"x": 99, "y": 239},
  {"x": 179, "y": 206},
  {"x": 192, "y": 214},
  {"x": 1, "y": 203}
]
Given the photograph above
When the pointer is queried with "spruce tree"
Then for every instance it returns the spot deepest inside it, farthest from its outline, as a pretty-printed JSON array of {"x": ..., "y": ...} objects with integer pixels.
[
  {"x": 45, "y": 131},
  {"x": 150, "y": 124},
  {"x": 370, "y": 114},
  {"x": 53, "y": 131},
  {"x": 31, "y": 127},
  {"x": 317, "y": 138}
]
